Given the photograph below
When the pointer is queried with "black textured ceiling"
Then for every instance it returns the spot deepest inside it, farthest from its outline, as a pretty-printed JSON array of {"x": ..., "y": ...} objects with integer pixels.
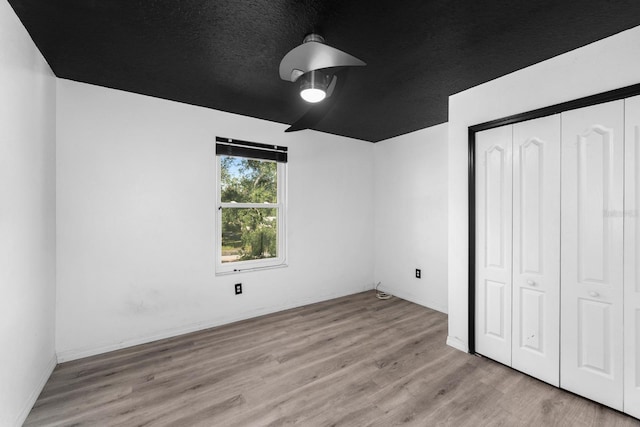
[{"x": 224, "y": 54}]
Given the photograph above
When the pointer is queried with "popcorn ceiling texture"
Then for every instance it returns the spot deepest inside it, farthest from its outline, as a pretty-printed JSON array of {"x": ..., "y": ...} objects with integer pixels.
[{"x": 224, "y": 54}]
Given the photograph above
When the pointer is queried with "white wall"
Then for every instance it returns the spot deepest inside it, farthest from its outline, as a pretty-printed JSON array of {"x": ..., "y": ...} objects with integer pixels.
[
  {"x": 27, "y": 220},
  {"x": 411, "y": 216},
  {"x": 136, "y": 210},
  {"x": 605, "y": 65}
]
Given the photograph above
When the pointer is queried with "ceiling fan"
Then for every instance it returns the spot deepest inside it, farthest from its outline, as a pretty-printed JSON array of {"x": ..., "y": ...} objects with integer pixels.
[{"x": 319, "y": 68}]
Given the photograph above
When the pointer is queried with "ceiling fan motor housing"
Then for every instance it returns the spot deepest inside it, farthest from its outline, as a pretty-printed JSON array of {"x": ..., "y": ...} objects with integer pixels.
[{"x": 315, "y": 79}]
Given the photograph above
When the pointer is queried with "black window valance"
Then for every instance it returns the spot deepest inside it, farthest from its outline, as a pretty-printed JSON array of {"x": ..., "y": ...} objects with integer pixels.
[{"x": 253, "y": 150}]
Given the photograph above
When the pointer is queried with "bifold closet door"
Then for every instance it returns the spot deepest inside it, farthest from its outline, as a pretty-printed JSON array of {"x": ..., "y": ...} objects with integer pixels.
[
  {"x": 632, "y": 258},
  {"x": 493, "y": 243},
  {"x": 592, "y": 252},
  {"x": 536, "y": 248}
]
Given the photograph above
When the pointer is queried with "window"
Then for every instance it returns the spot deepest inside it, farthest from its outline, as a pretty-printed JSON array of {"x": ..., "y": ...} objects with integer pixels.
[{"x": 251, "y": 180}]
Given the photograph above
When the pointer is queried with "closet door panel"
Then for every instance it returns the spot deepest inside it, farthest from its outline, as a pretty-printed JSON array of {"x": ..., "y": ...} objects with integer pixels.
[
  {"x": 592, "y": 252},
  {"x": 493, "y": 243},
  {"x": 632, "y": 258},
  {"x": 536, "y": 248}
]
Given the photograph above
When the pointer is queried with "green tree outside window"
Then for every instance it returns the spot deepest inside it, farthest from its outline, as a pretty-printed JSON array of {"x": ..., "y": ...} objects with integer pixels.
[{"x": 248, "y": 233}]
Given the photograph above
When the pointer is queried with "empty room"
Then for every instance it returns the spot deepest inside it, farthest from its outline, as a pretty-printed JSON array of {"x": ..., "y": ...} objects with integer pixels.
[{"x": 319, "y": 213}]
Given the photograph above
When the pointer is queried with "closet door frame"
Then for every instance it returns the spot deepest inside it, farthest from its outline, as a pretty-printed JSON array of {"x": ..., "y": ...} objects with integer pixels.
[{"x": 614, "y": 95}]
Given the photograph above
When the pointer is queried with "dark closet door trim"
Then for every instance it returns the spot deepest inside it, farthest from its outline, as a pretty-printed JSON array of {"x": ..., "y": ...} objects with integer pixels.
[{"x": 599, "y": 98}]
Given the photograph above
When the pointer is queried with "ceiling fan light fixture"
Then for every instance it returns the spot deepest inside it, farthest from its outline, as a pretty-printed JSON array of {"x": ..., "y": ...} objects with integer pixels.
[
  {"x": 313, "y": 86},
  {"x": 313, "y": 95}
]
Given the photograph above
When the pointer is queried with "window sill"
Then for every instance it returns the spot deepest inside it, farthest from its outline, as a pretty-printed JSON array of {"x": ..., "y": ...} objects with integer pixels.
[{"x": 251, "y": 269}]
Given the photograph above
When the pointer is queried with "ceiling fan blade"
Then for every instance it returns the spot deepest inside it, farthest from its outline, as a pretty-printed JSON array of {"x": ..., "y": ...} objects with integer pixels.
[
  {"x": 318, "y": 111},
  {"x": 314, "y": 56},
  {"x": 332, "y": 84}
]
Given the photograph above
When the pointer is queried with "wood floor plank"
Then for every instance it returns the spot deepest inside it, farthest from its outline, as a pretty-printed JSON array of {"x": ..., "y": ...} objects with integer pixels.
[{"x": 352, "y": 361}]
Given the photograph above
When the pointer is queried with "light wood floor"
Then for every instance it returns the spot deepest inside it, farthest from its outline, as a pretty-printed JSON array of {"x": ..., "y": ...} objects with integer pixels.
[{"x": 352, "y": 361}]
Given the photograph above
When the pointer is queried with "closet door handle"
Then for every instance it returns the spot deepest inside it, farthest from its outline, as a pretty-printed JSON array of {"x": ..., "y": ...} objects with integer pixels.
[
  {"x": 594, "y": 294},
  {"x": 531, "y": 283}
]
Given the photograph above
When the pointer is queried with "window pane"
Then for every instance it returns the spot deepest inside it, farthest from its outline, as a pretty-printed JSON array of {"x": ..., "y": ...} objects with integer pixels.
[
  {"x": 248, "y": 181},
  {"x": 248, "y": 234}
]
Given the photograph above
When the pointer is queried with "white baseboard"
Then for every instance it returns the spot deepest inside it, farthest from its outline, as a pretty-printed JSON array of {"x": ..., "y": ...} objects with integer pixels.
[
  {"x": 413, "y": 298},
  {"x": 79, "y": 353},
  {"x": 31, "y": 400},
  {"x": 457, "y": 344}
]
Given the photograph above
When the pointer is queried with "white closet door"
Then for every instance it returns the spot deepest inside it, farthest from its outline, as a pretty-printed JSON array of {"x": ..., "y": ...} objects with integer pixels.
[
  {"x": 536, "y": 248},
  {"x": 493, "y": 243},
  {"x": 632, "y": 258},
  {"x": 592, "y": 252}
]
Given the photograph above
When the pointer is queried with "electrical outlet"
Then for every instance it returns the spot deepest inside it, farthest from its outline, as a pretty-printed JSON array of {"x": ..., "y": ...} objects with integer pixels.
[
  {"x": 418, "y": 273},
  {"x": 238, "y": 288}
]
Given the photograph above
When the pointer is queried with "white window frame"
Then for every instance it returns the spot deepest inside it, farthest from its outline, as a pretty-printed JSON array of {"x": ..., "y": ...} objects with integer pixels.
[{"x": 280, "y": 205}]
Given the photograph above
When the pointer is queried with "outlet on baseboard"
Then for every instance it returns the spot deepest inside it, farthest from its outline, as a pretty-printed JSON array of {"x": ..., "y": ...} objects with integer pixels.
[
  {"x": 238, "y": 288},
  {"x": 418, "y": 273}
]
